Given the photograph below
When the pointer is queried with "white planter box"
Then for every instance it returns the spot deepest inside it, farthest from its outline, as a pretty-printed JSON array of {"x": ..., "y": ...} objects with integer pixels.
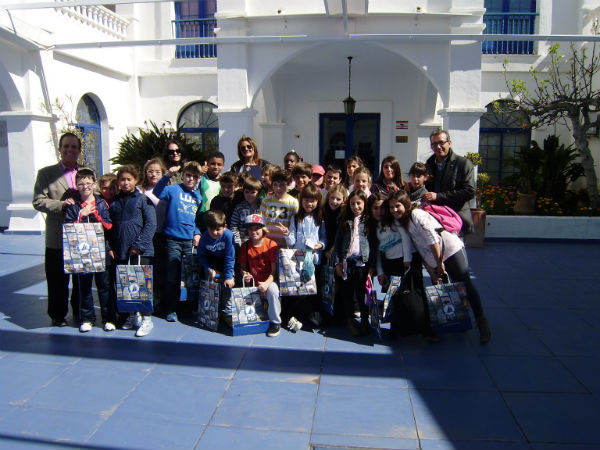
[{"x": 542, "y": 227}]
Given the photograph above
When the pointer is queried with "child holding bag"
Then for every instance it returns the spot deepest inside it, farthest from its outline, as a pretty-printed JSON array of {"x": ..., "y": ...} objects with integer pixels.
[
  {"x": 134, "y": 224},
  {"x": 351, "y": 256},
  {"x": 442, "y": 252},
  {"x": 307, "y": 232}
]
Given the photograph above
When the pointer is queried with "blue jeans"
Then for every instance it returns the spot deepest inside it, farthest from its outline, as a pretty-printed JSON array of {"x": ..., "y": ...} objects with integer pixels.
[
  {"x": 174, "y": 251},
  {"x": 86, "y": 300}
]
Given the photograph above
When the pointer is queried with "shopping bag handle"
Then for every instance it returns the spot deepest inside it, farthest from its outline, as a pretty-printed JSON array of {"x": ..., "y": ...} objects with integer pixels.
[
  {"x": 139, "y": 261},
  {"x": 244, "y": 282}
]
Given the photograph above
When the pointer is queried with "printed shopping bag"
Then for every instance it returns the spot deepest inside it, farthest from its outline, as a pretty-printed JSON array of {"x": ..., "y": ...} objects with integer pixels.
[
  {"x": 371, "y": 302},
  {"x": 293, "y": 279},
  {"x": 449, "y": 309},
  {"x": 134, "y": 288},
  {"x": 84, "y": 250},
  {"x": 248, "y": 314},
  {"x": 190, "y": 278},
  {"x": 208, "y": 304},
  {"x": 388, "y": 306},
  {"x": 328, "y": 287}
]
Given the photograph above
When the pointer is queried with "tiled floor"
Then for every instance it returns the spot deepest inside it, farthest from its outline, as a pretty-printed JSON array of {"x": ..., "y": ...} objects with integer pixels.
[{"x": 536, "y": 385}]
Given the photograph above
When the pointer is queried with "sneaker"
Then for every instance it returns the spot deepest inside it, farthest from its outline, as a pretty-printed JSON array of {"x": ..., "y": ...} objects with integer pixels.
[
  {"x": 294, "y": 325},
  {"x": 484, "y": 330},
  {"x": 145, "y": 328},
  {"x": 109, "y": 326},
  {"x": 172, "y": 317},
  {"x": 59, "y": 323},
  {"x": 134, "y": 320},
  {"x": 85, "y": 327},
  {"x": 274, "y": 330}
]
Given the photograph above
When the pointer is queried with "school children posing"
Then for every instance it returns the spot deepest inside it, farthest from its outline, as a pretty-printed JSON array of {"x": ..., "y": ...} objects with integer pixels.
[
  {"x": 390, "y": 177},
  {"x": 442, "y": 252},
  {"x": 279, "y": 208},
  {"x": 134, "y": 223},
  {"x": 351, "y": 256}
]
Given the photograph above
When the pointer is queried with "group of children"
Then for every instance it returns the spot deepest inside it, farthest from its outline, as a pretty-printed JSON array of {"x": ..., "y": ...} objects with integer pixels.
[{"x": 236, "y": 223}]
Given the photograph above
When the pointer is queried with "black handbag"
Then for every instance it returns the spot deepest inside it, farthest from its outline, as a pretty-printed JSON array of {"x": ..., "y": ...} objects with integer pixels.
[{"x": 409, "y": 315}]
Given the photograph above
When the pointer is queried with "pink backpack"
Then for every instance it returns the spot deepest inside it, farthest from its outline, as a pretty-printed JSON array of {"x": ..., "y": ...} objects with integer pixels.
[{"x": 446, "y": 216}]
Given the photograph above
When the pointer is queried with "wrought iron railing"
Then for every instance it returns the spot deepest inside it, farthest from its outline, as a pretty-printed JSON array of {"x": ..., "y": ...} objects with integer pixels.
[
  {"x": 509, "y": 23},
  {"x": 190, "y": 28}
]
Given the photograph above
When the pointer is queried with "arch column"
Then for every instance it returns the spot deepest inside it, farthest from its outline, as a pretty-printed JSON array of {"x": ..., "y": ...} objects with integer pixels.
[{"x": 28, "y": 139}]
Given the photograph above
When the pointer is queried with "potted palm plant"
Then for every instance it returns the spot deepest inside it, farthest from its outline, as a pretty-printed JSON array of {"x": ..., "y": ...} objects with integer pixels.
[{"x": 476, "y": 239}]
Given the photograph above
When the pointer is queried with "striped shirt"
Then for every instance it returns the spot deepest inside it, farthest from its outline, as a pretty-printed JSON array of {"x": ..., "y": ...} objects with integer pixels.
[{"x": 278, "y": 211}]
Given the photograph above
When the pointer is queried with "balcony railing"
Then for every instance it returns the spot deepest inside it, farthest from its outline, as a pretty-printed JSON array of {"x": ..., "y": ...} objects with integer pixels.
[
  {"x": 190, "y": 28},
  {"x": 100, "y": 18},
  {"x": 509, "y": 23}
]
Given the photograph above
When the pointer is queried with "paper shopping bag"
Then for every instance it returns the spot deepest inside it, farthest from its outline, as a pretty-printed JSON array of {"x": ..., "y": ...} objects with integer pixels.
[
  {"x": 208, "y": 304},
  {"x": 84, "y": 249},
  {"x": 248, "y": 314},
  {"x": 328, "y": 287},
  {"x": 134, "y": 288},
  {"x": 291, "y": 276},
  {"x": 190, "y": 278},
  {"x": 449, "y": 309}
]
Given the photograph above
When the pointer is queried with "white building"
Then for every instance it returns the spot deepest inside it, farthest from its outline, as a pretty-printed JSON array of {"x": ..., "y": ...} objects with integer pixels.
[{"x": 280, "y": 76}]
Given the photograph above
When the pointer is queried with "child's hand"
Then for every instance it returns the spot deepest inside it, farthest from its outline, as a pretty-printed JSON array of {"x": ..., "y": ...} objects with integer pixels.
[
  {"x": 318, "y": 246},
  {"x": 111, "y": 253},
  {"x": 196, "y": 240},
  {"x": 262, "y": 288},
  {"x": 284, "y": 230},
  {"x": 134, "y": 251},
  {"x": 248, "y": 277},
  {"x": 89, "y": 209},
  {"x": 172, "y": 171},
  {"x": 382, "y": 278},
  {"x": 339, "y": 269},
  {"x": 229, "y": 283},
  {"x": 212, "y": 274}
]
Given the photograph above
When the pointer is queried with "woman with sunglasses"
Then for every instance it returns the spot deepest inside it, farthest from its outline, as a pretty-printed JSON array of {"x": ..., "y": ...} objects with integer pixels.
[
  {"x": 173, "y": 156},
  {"x": 249, "y": 160}
]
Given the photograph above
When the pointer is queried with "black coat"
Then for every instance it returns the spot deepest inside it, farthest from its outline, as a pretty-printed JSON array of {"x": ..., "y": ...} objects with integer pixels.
[{"x": 457, "y": 186}]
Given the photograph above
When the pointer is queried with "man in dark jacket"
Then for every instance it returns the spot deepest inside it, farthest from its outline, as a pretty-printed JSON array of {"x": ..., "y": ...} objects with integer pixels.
[{"x": 453, "y": 179}]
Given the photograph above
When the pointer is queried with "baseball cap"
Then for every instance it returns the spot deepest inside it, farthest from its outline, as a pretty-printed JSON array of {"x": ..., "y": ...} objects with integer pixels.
[
  {"x": 254, "y": 219},
  {"x": 318, "y": 169}
]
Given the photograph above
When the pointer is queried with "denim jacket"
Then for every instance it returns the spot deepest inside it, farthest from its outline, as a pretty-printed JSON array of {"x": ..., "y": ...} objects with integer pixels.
[{"x": 342, "y": 242}]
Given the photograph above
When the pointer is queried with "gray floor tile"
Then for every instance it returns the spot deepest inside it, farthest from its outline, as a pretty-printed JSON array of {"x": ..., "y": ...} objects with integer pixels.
[
  {"x": 125, "y": 431},
  {"x": 531, "y": 374},
  {"x": 586, "y": 370},
  {"x": 446, "y": 372},
  {"x": 272, "y": 364},
  {"x": 227, "y": 438},
  {"x": 442, "y": 444},
  {"x": 52, "y": 425},
  {"x": 267, "y": 405},
  {"x": 183, "y": 398},
  {"x": 84, "y": 389},
  {"x": 556, "y": 418},
  {"x": 575, "y": 342},
  {"x": 551, "y": 318},
  {"x": 336, "y": 441},
  {"x": 362, "y": 369},
  {"x": 20, "y": 380},
  {"x": 463, "y": 416},
  {"x": 342, "y": 410}
]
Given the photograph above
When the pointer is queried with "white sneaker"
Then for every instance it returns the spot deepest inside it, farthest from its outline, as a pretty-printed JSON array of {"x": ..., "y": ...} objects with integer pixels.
[
  {"x": 294, "y": 325},
  {"x": 109, "y": 326},
  {"x": 145, "y": 328},
  {"x": 133, "y": 321},
  {"x": 85, "y": 327}
]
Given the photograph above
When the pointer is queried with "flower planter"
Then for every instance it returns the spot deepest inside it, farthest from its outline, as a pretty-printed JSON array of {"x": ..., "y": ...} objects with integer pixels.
[
  {"x": 525, "y": 203},
  {"x": 476, "y": 239}
]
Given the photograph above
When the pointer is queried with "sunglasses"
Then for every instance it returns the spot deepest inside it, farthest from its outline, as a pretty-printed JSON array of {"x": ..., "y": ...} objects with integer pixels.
[
  {"x": 247, "y": 147},
  {"x": 438, "y": 143},
  {"x": 172, "y": 152}
]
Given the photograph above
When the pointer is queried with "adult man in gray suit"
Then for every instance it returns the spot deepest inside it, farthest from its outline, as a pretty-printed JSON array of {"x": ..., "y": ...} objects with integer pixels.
[{"x": 53, "y": 191}]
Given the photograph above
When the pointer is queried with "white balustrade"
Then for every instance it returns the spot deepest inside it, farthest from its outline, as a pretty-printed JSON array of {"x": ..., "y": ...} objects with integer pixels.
[{"x": 98, "y": 17}]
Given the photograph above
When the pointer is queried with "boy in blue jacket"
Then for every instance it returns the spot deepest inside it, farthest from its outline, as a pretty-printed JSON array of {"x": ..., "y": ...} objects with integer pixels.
[
  {"x": 216, "y": 253},
  {"x": 89, "y": 207},
  {"x": 180, "y": 229}
]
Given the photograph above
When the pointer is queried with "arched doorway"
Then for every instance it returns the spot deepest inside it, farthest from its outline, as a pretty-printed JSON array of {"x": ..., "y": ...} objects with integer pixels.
[
  {"x": 88, "y": 121},
  {"x": 200, "y": 124},
  {"x": 502, "y": 132}
]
